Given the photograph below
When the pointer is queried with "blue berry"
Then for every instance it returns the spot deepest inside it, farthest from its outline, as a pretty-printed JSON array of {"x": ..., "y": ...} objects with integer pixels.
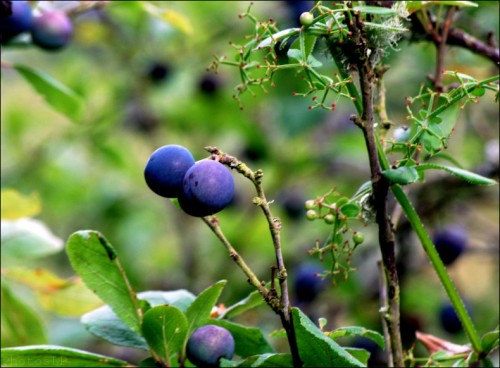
[
  {"x": 450, "y": 243},
  {"x": 208, "y": 187},
  {"x": 166, "y": 168},
  {"x": 208, "y": 344},
  {"x": 307, "y": 284},
  {"x": 18, "y": 22},
  {"x": 449, "y": 319},
  {"x": 52, "y": 30}
]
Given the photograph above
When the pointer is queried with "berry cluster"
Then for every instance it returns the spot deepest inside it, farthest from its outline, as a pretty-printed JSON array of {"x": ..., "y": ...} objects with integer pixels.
[
  {"x": 202, "y": 188},
  {"x": 51, "y": 30}
]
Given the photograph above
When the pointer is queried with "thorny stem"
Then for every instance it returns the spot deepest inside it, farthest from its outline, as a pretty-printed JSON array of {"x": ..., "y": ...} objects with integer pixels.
[
  {"x": 281, "y": 306},
  {"x": 357, "y": 51}
]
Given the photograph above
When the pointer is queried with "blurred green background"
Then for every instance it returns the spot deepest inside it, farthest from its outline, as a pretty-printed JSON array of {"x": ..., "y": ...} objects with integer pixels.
[{"x": 90, "y": 175}]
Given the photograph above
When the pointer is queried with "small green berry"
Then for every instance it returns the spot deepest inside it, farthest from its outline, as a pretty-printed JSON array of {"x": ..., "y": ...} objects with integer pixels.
[
  {"x": 311, "y": 215},
  {"x": 310, "y": 204},
  {"x": 329, "y": 218},
  {"x": 358, "y": 237},
  {"x": 306, "y": 19}
]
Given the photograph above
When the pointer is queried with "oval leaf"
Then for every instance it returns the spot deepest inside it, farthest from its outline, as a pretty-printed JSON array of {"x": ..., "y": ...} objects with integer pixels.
[
  {"x": 350, "y": 210},
  {"x": 402, "y": 175},
  {"x": 59, "y": 96},
  {"x": 103, "y": 322},
  {"x": 96, "y": 262},
  {"x": 357, "y": 331},
  {"x": 165, "y": 328},
  {"x": 461, "y": 173},
  {"x": 276, "y": 37},
  {"x": 247, "y": 340},
  {"x": 379, "y": 10},
  {"x": 200, "y": 309},
  {"x": 254, "y": 299},
  {"x": 316, "y": 349},
  {"x": 27, "y": 238},
  {"x": 264, "y": 360},
  {"x": 56, "y": 356}
]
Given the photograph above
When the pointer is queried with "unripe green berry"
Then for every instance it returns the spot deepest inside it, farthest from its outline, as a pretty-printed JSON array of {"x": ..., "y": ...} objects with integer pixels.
[
  {"x": 306, "y": 19},
  {"x": 358, "y": 237},
  {"x": 311, "y": 215},
  {"x": 329, "y": 218},
  {"x": 310, "y": 204}
]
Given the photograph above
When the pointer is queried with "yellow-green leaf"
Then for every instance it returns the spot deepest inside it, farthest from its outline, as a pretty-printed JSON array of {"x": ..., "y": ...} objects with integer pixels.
[{"x": 16, "y": 205}]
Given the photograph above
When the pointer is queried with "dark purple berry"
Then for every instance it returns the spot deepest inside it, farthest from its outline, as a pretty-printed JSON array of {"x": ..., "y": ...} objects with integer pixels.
[
  {"x": 208, "y": 187},
  {"x": 208, "y": 344},
  {"x": 307, "y": 284},
  {"x": 52, "y": 30},
  {"x": 19, "y": 20},
  {"x": 209, "y": 84},
  {"x": 166, "y": 168},
  {"x": 158, "y": 72},
  {"x": 449, "y": 320},
  {"x": 450, "y": 243}
]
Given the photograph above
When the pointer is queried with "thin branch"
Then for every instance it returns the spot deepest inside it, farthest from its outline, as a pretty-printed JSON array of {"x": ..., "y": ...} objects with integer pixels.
[
  {"x": 357, "y": 50},
  {"x": 282, "y": 305}
]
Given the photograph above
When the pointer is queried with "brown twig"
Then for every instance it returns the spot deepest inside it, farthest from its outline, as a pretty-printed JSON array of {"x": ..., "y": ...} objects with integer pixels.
[
  {"x": 358, "y": 51},
  {"x": 280, "y": 305},
  {"x": 458, "y": 37}
]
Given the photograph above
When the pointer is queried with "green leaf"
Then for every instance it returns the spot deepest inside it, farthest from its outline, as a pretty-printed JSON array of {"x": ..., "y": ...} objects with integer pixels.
[
  {"x": 16, "y": 205},
  {"x": 20, "y": 324},
  {"x": 448, "y": 119},
  {"x": 59, "y": 96},
  {"x": 316, "y": 349},
  {"x": 350, "y": 210},
  {"x": 181, "y": 298},
  {"x": 461, "y": 173},
  {"x": 254, "y": 299},
  {"x": 96, "y": 262},
  {"x": 357, "y": 331},
  {"x": 431, "y": 143},
  {"x": 56, "y": 356},
  {"x": 295, "y": 54},
  {"x": 313, "y": 62},
  {"x": 378, "y": 10},
  {"x": 264, "y": 360},
  {"x": 360, "y": 354},
  {"x": 267, "y": 42},
  {"x": 479, "y": 91},
  {"x": 165, "y": 328},
  {"x": 199, "y": 311},
  {"x": 27, "y": 238},
  {"x": 248, "y": 340},
  {"x": 490, "y": 340},
  {"x": 402, "y": 175},
  {"x": 413, "y": 6},
  {"x": 103, "y": 322}
]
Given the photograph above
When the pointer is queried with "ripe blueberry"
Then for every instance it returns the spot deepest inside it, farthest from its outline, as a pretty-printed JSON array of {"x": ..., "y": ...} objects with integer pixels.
[
  {"x": 52, "y": 30},
  {"x": 208, "y": 187},
  {"x": 208, "y": 84},
  {"x": 18, "y": 22},
  {"x": 450, "y": 243},
  {"x": 166, "y": 168},
  {"x": 307, "y": 284},
  {"x": 449, "y": 320},
  {"x": 158, "y": 72},
  {"x": 208, "y": 344}
]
